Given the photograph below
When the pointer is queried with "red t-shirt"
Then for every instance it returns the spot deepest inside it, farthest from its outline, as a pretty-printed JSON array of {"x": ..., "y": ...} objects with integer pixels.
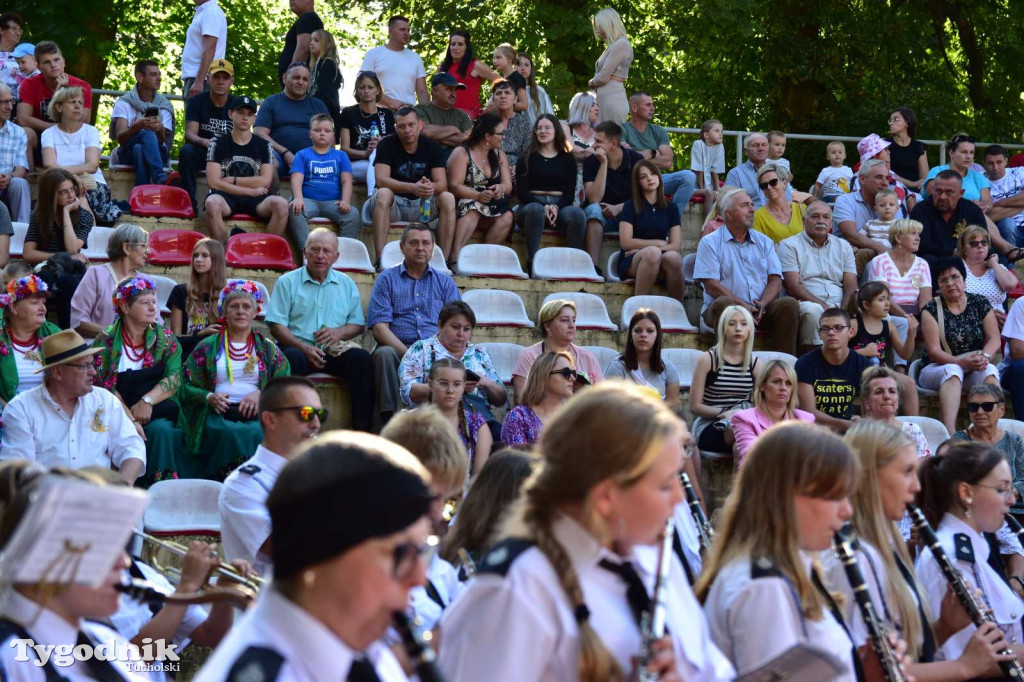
[
  {"x": 1016, "y": 161},
  {"x": 34, "y": 91},
  {"x": 467, "y": 100}
]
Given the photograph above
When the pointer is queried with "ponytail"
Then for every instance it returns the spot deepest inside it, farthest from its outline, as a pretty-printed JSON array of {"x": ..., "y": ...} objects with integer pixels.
[{"x": 960, "y": 462}]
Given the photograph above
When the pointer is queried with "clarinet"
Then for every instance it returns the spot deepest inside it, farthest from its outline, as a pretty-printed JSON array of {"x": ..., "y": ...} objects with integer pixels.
[
  {"x": 420, "y": 653},
  {"x": 468, "y": 565},
  {"x": 652, "y": 622},
  {"x": 978, "y": 615},
  {"x": 1015, "y": 526},
  {"x": 704, "y": 529},
  {"x": 878, "y": 635}
]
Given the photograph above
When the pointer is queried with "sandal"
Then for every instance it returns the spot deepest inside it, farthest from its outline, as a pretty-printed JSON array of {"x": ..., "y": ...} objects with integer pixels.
[{"x": 1015, "y": 254}]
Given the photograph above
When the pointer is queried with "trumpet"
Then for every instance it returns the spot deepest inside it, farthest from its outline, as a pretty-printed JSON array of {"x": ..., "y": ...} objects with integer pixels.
[
  {"x": 253, "y": 583},
  {"x": 143, "y": 591},
  {"x": 704, "y": 529}
]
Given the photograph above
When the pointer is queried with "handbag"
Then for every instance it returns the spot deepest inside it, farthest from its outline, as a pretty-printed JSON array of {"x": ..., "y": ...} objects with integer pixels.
[{"x": 940, "y": 319}]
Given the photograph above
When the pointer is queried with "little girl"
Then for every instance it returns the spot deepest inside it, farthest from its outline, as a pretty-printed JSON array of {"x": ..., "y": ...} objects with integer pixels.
[
  {"x": 537, "y": 100},
  {"x": 872, "y": 333},
  {"x": 447, "y": 386},
  {"x": 707, "y": 161},
  {"x": 324, "y": 76}
]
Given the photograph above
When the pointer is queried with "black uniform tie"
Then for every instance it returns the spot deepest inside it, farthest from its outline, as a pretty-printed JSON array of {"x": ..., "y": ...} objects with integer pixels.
[
  {"x": 636, "y": 592},
  {"x": 362, "y": 671},
  {"x": 103, "y": 671}
]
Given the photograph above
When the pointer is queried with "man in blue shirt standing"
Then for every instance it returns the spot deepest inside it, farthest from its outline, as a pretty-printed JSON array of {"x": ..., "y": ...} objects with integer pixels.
[{"x": 404, "y": 306}]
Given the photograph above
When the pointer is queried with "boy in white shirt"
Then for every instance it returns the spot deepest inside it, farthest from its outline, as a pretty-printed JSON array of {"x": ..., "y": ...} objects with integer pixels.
[
  {"x": 834, "y": 179},
  {"x": 777, "y": 150},
  {"x": 887, "y": 204}
]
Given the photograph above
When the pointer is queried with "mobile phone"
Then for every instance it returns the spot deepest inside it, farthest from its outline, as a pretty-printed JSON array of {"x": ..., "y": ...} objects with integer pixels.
[
  {"x": 151, "y": 112},
  {"x": 472, "y": 376}
]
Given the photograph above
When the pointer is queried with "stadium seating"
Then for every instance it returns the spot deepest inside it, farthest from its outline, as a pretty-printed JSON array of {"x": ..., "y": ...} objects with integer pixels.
[
  {"x": 497, "y": 308},
  {"x": 164, "y": 285},
  {"x": 934, "y": 431},
  {"x": 503, "y": 357},
  {"x": 489, "y": 260},
  {"x": 689, "y": 263},
  {"x": 685, "y": 361},
  {"x": 17, "y": 244},
  {"x": 392, "y": 256},
  {"x": 591, "y": 312},
  {"x": 259, "y": 251},
  {"x": 172, "y": 247},
  {"x": 96, "y": 248},
  {"x": 604, "y": 354},
  {"x": 352, "y": 256},
  {"x": 764, "y": 356},
  {"x": 161, "y": 201},
  {"x": 670, "y": 312},
  {"x": 562, "y": 263}
]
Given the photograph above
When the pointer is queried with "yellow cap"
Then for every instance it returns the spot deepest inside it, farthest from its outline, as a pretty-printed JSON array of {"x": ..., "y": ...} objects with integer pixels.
[{"x": 224, "y": 65}]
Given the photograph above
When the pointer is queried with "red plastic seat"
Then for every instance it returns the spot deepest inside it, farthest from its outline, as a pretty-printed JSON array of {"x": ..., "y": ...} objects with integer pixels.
[
  {"x": 172, "y": 247},
  {"x": 162, "y": 201},
  {"x": 259, "y": 252},
  {"x": 243, "y": 217},
  {"x": 697, "y": 199}
]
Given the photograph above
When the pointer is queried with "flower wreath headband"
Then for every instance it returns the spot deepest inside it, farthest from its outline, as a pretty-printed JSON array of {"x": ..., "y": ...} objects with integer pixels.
[
  {"x": 23, "y": 287},
  {"x": 245, "y": 286},
  {"x": 133, "y": 287}
]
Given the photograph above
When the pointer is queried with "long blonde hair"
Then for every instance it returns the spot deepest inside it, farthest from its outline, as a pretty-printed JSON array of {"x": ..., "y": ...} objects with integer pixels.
[
  {"x": 608, "y": 26},
  {"x": 876, "y": 444},
  {"x": 748, "y": 345},
  {"x": 536, "y": 388},
  {"x": 759, "y": 518},
  {"x": 621, "y": 428}
]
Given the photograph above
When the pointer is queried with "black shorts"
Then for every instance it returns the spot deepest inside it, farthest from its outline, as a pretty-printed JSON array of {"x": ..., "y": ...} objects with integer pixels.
[{"x": 237, "y": 204}]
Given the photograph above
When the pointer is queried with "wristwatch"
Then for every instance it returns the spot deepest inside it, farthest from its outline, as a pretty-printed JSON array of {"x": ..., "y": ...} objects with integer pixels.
[
  {"x": 146, "y": 399},
  {"x": 988, "y": 356}
]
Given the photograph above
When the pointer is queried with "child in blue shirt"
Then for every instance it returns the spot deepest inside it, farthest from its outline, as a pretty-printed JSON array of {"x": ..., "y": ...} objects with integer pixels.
[{"x": 321, "y": 178}]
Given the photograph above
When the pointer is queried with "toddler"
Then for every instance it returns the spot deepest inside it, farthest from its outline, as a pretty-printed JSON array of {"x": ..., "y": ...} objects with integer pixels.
[
  {"x": 707, "y": 161},
  {"x": 887, "y": 204},
  {"x": 25, "y": 55},
  {"x": 834, "y": 179},
  {"x": 777, "y": 150}
]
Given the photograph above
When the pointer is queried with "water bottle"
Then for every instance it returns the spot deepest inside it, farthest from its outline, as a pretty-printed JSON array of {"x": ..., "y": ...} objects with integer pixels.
[
  {"x": 374, "y": 131},
  {"x": 425, "y": 210}
]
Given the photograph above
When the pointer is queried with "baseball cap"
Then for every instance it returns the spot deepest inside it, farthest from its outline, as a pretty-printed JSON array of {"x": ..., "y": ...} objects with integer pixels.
[
  {"x": 446, "y": 79},
  {"x": 219, "y": 65},
  {"x": 24, "y": 50},
  {"x": 245, "y": 102}
]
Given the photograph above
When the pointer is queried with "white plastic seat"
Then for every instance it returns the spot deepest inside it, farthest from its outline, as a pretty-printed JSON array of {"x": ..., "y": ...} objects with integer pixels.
[
  {"x": 266, "y": 296},
  {"x": 914, "y": 371},
  {"x": 670, "y": 311},
  {"x": 1012, "y": 425},
  {"x": 17, "y": 244},
  {"x": 935, "y": 431},
  {"x": 164, "y": 285},
  {"x": 604, "y": 355},
  {"x": 685, "y": 361},
  {"x": 689, "y": 264},
  {"x": 489, "y": 260},
  {"x": 765, "y": 356},
  {"x": 591, "y": 312},
  {"x": 564, "y": 263},
  {"x": 352, "y": 256},
  {"x": 184, "y": 506},
  {"x": 392, "y": 256},
  {"x": 497, "y": 308},
  {"x": 96, "y": 248},
  {"x": 503, "y": 357}
]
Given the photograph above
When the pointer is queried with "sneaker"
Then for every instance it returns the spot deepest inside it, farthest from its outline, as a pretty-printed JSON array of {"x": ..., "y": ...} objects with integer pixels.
[{"x": 237, "y": 230}]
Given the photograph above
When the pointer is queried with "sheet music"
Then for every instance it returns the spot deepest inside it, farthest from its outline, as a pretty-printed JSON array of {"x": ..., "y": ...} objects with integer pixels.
[{"x": 72, "y": 532}]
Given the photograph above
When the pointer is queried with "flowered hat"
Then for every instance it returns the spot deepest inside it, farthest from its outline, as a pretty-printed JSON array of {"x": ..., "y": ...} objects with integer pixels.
[
  {"x": 245, "y": 286},
  {"x": 132, "y": 287},
  {"x": 23, "y": 287},
  {"x": 870, "y": 146}
]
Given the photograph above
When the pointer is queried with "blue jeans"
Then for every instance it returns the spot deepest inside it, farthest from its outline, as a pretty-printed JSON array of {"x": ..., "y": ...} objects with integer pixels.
[
  {"x": 1013, "y": 381},
  {"x": 1008, "y": 230},
  {"x": 149, "y": 155},
  {"x": 681, "y": 185}
]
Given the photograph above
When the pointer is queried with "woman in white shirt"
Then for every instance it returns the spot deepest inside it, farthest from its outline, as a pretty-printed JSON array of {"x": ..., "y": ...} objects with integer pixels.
[{"x": 560, "y": 597}]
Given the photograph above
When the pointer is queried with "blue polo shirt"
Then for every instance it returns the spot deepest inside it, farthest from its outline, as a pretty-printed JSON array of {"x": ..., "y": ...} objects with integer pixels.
[{"x": 742, "y": 267}]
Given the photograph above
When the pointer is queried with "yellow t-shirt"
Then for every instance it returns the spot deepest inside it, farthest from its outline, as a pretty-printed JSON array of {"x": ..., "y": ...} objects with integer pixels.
[{"x": 767, "y": 225}]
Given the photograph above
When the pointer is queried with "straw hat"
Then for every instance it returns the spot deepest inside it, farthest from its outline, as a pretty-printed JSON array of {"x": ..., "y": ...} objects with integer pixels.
[{"x": 63, "y": 347}]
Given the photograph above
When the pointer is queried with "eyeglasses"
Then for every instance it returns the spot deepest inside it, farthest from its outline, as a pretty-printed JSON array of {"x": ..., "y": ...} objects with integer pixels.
[
  {"x": 84, "y": 366},
  {"x": 975, "y": 243},
  {"x": 446, "y": 386},
  {"x": 950, "y": 279},
  {"x": 369, "y": 74},
  {"x": 142, "y": 244},
  {"x": 305, "y": 412},
  {"x": 1007, "y": 493},
  {"x": 988, "y": 406},
  {"x": 770, "y": 183},
  {"x": 834, "y": 329},
  {"x": 405, "y": 554},
  {"x": 567, "y": 373},
  {"x": 5, "y": 102},
  {"x": 498, "y": 132}
]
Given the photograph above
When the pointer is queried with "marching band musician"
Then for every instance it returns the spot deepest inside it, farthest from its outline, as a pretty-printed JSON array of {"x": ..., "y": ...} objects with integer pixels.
[
  {"x": 888, "y": 483},
  {"x": 350, "y": 515},
  {"x": 686, "y": 545},
  {"x": 789, "y": 499},
  {"x": 560, "y": 597},
  {"x": 966, "y": 491}
]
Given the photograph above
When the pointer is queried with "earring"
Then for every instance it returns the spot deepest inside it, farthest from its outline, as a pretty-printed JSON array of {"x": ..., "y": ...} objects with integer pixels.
[
  {"x": 309, "y": 578},
  {"x": 967, "y": 509}
]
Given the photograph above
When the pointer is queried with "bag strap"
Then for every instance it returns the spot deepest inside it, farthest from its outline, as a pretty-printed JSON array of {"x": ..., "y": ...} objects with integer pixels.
[{"x": 940, "y": 318}]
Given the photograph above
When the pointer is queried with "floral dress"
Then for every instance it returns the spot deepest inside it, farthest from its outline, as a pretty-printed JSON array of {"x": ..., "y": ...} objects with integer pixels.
[
  {"x": 476, "y": 179},
  {"x": 521, "y": 428},
  {"x": 964, "y": 332}
]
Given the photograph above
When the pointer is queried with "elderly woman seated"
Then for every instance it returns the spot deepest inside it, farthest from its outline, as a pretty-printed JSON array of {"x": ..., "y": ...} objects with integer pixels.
[
  {"x": 551, "y": 382},
  {"x": 23, "y": 327},
  {"x": 223, "y": 379},
  {"x": 881, "y": 392},
  {"x": 140, "y": 363},
  {"x": 986, "y": 405},
  {"x": 92, "y": 309}
]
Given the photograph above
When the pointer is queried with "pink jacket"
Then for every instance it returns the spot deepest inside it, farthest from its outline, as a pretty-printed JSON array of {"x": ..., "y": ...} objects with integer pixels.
[{"x": 747, "y": 425}]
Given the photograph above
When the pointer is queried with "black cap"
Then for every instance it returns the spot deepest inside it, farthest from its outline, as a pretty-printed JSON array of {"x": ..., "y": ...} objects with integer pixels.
[
  {"x": 245, "y": 102},
  {"x": 446, "y": 79}
]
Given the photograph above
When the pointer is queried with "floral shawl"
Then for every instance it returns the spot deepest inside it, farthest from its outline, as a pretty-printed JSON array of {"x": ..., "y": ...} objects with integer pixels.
[
  {"x": 161, "y": 346},
  {"x": 201, "y": 378},
  {"x": 8, "y": 366}
]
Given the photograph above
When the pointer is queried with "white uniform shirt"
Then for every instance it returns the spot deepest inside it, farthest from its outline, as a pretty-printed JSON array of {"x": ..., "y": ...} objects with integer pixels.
[
  {"x": 99, "y": 433},
  {"x": 47, "y": 628},
  {"x": 1007, "y": 608},
  {"x": 244, "y": 518},
  {"x": 309, "y": 651},
  {"x": 445, "y": 579},
  {"x": 754, "y": 620},
  {"x": 209, "y": 20},
  {"x": 689, "y": 537},
  {"x": 520, "y": 626}
]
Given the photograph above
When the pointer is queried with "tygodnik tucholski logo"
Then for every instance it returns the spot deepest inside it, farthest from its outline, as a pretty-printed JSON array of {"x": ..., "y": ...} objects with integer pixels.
[{"x": 153, "y": 656}]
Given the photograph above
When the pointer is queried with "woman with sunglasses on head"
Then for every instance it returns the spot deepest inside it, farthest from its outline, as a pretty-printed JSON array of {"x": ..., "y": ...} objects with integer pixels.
[
  {"x": 986, "y": 406},
  {"x": 561, "y": 594},
  {"x": 966, "y": 492},
  {"x": 985, "y": 275},
  {"x": 363, "y": 125},
  {"x": 779, "y": 218},
  {"x": 888, "y": 482},
  {"x": 337, "y": 586},
  {"x": 550, "y": 383}
]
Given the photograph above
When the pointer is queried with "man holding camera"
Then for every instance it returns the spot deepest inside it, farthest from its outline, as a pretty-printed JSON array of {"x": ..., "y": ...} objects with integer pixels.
[{"x": 142, "y": 124}]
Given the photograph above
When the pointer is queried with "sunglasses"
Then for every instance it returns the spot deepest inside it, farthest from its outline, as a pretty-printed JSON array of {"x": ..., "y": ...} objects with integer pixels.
[
  {"x": 987, "y": 406},
  {"x": 370, "y": 74},
  {"x": 305, "y": 412},
  {"x": 771, "y": 183},
  {"x": 976, "y": 243},
  {"x": 567, "y": 373}
]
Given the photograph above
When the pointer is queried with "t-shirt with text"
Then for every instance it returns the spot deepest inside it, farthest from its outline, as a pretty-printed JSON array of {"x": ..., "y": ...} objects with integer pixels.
[
  {"x": 212, "y": 120},
  {"x": 239, "y": 160},
  {"x": 321, "y": 173},
  {"x": 835, "y": 386}
]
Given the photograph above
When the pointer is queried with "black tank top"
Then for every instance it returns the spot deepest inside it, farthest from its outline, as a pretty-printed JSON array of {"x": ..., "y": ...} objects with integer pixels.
[{"x": 864, "y": 338}]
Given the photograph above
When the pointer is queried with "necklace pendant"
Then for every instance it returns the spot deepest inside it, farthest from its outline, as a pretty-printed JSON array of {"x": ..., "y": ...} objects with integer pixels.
[
  {"x": 33, "y": 356},
  {"x": 250, "y": 365}
]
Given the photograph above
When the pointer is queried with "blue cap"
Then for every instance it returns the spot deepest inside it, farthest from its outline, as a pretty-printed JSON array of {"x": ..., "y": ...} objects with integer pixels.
[
  {"x": 24, "y": 50},
  {"x": 446, "y": 79}
]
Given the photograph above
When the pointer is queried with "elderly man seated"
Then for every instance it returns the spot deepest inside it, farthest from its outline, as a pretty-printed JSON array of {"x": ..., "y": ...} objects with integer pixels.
[
  {"x": 316, "y": 316},
  {"x": 14, "y": 188},
  {"x": 66, "y": 421},
  {"x": 738, "y": 266}
]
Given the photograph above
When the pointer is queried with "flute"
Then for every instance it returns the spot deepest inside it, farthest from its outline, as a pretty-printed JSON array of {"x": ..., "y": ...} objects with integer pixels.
[
  {"x": 704, "y": 529},
  {"x": 978, "y": 615},
  {"x": 652, "y": 623},
  {"x": 421, "y": 655},
  {"x": 878, "y": 635}
]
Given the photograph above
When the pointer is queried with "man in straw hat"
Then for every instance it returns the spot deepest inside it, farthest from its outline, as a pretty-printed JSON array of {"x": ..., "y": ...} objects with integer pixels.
[{"x": 66, "y": 421}]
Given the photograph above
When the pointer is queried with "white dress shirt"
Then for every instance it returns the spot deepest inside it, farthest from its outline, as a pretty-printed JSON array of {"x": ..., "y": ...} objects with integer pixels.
[
  {"x": 98, "y": 433},
  {"x": 754, "y": 620},
  {"x": 520, "y": 626},
  {"x": 445, "y": 579},
  {"x": 689, "y": 537},
  {"x": 310, "y": 652},
  {"x": 244, "y": 518}
]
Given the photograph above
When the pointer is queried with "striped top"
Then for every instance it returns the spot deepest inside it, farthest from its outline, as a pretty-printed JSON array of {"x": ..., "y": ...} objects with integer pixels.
[{"x": 728, "y": 384}]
